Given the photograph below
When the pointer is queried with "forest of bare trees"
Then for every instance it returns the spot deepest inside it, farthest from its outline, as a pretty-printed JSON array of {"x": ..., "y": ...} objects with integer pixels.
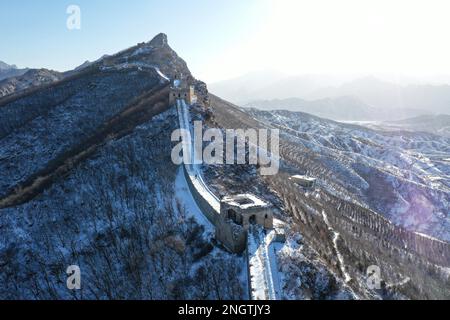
[{"x": 113, "y": 217}]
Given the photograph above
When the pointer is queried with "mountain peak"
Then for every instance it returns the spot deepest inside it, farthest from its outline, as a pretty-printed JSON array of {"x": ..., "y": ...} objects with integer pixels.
[
  {"x": 159, "y": 41},
  {"x": 5, "y": 66}
]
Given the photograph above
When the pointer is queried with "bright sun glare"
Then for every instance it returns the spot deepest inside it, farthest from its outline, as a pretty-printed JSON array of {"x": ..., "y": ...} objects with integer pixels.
[{"x": 409, "y": 37}]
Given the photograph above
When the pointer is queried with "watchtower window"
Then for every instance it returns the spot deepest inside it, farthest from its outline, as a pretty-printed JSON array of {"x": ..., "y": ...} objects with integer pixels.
[
  {"x": 252, "y": 219},
  {"x": 232, "y": 215}
]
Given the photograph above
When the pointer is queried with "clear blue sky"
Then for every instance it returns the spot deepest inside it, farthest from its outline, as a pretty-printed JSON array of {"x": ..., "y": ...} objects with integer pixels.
[
  {"x": 34, "y": 33},
  {"x": 224, "y": 38}
]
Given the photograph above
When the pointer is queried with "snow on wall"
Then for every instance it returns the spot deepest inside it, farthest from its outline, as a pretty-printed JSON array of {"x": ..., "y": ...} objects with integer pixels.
[
  {"x": 264, "y": 283},
  {"x": 206, "y": 200},
  {"x": 263, "y": 275}
]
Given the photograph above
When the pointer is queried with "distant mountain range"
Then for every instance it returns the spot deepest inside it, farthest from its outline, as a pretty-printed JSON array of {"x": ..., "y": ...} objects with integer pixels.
[
  {"x": 31, "y": 78},
  {"x": 367, "y": 98},
  {"x": 344, "y": 108},
  {"x": 433, "y": 99},
  {"x": 269, "y": 85},
  {"x": 13, "y": 80},
  {"x": 437, "y": 124},
  {"x": 7, "y": 71}
]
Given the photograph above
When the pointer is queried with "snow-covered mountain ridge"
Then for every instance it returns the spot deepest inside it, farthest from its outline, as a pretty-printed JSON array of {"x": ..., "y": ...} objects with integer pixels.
[{"x": 403, "y": 175}]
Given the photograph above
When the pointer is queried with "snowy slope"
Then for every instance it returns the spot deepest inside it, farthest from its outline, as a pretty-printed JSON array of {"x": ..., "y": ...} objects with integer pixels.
[
  {"x": 403, "y": 175},
  {"x": 117, "y": 217}
]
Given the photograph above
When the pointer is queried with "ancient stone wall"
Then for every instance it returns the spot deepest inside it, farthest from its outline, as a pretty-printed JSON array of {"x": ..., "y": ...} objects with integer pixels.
[
  {"x": 206, "y": 208},
  {"x": 232, "y": 236},
  {"x": 263, "y": 216}
]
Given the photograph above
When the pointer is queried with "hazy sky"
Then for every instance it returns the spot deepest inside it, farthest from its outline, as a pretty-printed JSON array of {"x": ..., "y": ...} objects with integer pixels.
[{"x": 220, "y": 39}]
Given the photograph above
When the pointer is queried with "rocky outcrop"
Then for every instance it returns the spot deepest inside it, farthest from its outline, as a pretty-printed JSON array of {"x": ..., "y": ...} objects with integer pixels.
[{"x": 156, "y": 53}]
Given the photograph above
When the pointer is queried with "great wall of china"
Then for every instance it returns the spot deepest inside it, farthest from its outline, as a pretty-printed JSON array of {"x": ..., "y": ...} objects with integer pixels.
[
  {"x": 255, "y": 242},
  {"x": 359, "y": 228}
]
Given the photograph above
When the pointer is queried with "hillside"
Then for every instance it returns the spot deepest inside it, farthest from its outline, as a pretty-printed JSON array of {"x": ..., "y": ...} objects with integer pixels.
[
  {"x": 374, "y": 192},
  {"x": 437, "y": 124},
  {"x": 341, "y": 108},
  {"x": 412, "y": 98},
  {"x": 8, "y": 71},
  {"x": 402, "y": 175},
  {"x": 87, "y": 179},
  {"x": 336, "y": 97},
  {"x": 31, "y": 78}
]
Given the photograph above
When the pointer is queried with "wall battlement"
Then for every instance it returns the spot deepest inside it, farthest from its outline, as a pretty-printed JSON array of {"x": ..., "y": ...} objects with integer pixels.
[{"x": 182, "y": 88}]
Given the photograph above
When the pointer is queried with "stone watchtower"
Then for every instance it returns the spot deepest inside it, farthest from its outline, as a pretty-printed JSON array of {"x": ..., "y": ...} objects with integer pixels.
[
  {"x": 182, "y": 88},
  {"x": 246, "y": 210},
  {"x": 237, "y": 214}
]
